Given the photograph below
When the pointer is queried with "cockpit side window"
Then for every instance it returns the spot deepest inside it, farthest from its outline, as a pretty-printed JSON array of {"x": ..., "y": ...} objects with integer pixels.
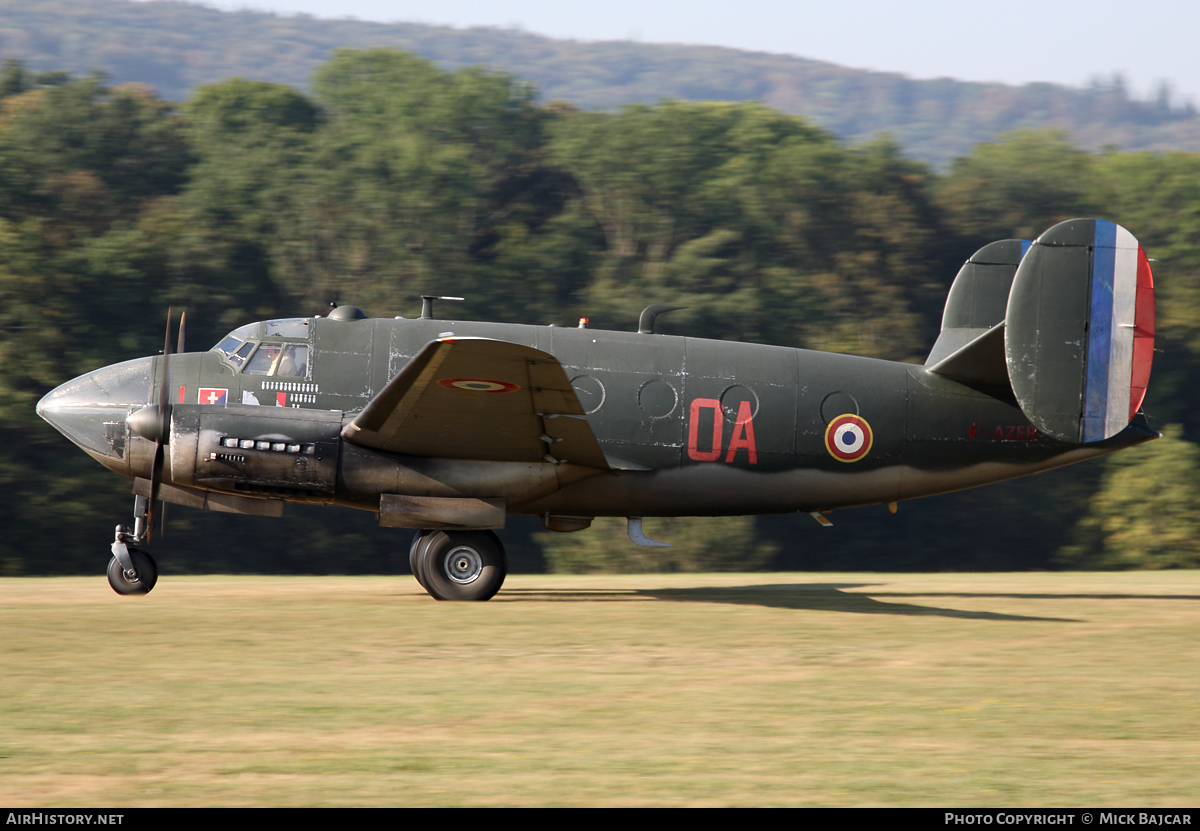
[
  {"x": 294, "y": 363},
  {"x": 279, "y": 360}
]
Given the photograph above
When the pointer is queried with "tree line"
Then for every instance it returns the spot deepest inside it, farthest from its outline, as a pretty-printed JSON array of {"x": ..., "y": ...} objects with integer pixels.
[{"x": 393, "y": 178}]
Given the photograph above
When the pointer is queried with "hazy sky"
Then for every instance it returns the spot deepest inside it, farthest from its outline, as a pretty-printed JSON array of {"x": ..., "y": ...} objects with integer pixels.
[{"x": 1014, "y": 41}]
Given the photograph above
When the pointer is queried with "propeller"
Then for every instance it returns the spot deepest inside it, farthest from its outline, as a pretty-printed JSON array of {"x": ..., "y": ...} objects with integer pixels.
[{"x": 154, "y": 423}]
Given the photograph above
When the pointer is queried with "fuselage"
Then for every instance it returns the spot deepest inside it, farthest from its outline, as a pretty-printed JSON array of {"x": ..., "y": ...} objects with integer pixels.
[{"x": 690, "y": 427}]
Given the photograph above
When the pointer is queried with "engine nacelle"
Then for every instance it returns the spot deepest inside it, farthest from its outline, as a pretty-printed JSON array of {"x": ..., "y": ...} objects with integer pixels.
[{"x": 259, "y": 451}]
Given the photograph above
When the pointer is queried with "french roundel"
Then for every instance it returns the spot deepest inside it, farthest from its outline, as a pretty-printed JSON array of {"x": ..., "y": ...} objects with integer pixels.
[
  {"x": 848, "y": 438},
  {"x": 478, "y": 385}
]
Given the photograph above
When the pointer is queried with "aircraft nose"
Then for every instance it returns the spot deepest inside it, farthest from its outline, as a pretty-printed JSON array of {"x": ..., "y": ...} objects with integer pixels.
[{"x": 91, "y": 409}]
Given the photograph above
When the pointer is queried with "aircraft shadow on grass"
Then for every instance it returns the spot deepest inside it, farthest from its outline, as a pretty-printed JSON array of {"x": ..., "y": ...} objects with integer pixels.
[
  {"x": 828, "y": 597},
  {"x": 1046, "y": 596}
]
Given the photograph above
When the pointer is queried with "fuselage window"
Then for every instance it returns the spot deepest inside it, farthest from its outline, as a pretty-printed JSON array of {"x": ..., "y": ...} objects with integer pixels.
[{"x": 279, "y": 360}]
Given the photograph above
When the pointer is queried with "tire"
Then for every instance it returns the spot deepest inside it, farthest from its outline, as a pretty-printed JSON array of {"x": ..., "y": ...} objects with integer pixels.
[
  {"x": 462, "y": 565},
  {"x": 414, "y": 560},
  {"x": 147, "y": 571}
]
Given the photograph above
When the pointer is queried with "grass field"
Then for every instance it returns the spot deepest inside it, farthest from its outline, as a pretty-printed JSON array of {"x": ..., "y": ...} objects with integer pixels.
[{"x": 1013, "y": 690}]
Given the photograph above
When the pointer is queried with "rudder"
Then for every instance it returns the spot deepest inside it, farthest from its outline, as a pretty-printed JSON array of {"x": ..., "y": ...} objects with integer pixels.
[{"x": 1079, "y": 330}]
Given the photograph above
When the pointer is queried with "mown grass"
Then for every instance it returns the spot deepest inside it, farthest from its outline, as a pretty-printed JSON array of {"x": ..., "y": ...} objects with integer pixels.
[{"x": 737, "y": 689}]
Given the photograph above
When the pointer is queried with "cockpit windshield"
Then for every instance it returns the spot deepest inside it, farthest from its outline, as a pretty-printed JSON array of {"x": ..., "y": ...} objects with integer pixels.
[
  {"x": 234, "y": 342},
  {"x": 228, "y": 346}
]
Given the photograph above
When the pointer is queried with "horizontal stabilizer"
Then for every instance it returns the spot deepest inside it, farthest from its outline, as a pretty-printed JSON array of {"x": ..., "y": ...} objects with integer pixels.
[
  {"x": 483, "y": 399},
  {"x": 1079, "y": 330},
  {"x": 979, "y": 362}
]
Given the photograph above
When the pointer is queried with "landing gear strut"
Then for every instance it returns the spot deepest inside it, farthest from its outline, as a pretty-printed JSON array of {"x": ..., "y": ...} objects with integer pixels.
[
  {"x": 458, "y": 565},
  {"x": 131, "y": 570}
]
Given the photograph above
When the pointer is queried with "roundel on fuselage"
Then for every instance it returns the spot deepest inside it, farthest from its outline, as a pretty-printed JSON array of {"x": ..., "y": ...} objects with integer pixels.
[{"x": 848, "y": 438}]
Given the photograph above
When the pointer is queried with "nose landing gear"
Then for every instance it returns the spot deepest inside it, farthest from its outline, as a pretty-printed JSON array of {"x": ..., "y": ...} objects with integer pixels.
[{"x": 131, "y": 570}]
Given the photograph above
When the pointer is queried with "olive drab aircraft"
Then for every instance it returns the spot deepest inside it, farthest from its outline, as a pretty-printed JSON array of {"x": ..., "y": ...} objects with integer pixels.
[{"x": 447, "y": 426}]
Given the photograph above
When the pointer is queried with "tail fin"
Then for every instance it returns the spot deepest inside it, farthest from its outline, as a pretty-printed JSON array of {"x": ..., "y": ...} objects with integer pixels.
[
  {"x": 979, "y": 296},
  {"x": 1079, "y": 330}
]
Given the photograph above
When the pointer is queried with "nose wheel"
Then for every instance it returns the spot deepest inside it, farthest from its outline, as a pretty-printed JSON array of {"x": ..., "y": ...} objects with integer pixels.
[
  {"x": 131, "y": 570},
  {"x": 138, "y": 580},
  {"x": 459, "y": 565}
]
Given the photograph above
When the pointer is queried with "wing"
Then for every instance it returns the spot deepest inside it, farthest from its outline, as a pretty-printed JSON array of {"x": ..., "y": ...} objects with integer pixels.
[{"x": 477, "y": 398}]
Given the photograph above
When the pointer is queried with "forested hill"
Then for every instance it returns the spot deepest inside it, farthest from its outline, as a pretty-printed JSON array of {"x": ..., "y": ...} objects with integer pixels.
[
  {"x": 391, "y": 178},
  {"x": 176, "y": 47}
]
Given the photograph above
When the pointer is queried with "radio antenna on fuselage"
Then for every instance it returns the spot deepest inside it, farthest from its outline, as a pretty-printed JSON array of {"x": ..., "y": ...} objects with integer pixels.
[{"x": 427, "y": 304}]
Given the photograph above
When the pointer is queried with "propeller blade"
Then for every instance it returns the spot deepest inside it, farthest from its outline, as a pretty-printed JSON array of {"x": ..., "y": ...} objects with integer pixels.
[
  {"x": 155, "y": 481},
  {"x": 163, "y": 397},
  {"x": 182, "y": 319},
  {"x": 164, "y": 414}
]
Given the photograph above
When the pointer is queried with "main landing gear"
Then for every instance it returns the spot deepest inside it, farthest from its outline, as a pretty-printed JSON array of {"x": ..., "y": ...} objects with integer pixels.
[
  {"x": 131, "y": 570},
  {"x": 458, "y": 565}
]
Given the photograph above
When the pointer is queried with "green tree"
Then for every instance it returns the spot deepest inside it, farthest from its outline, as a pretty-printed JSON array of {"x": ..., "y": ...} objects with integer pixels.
[
  {"x": 253, "y": 143},
  {"x": 763, "y": 225},
  {"x": 421, "y": 180},
  {"x": 1017, "y": 186},
  {"x": 1146, "y": 513},
  {"x": 88, "y": 177},
  {"x": 1157, "y": 197}
]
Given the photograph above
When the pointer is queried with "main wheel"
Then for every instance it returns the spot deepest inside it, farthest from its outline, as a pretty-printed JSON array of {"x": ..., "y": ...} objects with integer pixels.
[
  {"x": 147, "y": 574},
  {"x": 414, "y": 559},
  {"x": 461, "y": 565}
]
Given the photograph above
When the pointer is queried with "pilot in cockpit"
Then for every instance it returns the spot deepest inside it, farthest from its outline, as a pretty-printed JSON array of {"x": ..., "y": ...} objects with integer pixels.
[{"x": 279, "y": 361}]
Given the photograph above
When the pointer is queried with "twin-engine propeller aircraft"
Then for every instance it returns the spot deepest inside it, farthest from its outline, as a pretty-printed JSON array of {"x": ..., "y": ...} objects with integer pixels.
[{"x": 450, "y": 426}]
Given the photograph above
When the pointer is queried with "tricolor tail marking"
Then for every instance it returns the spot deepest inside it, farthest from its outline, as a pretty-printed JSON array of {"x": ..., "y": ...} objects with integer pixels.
[{"x": 1120, "y": 332}]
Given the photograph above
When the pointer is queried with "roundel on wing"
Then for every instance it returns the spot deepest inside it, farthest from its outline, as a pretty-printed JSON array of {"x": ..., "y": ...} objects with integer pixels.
[
  {"x": 848, "y": 438},
  {"x": 477, "y": 385}
]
